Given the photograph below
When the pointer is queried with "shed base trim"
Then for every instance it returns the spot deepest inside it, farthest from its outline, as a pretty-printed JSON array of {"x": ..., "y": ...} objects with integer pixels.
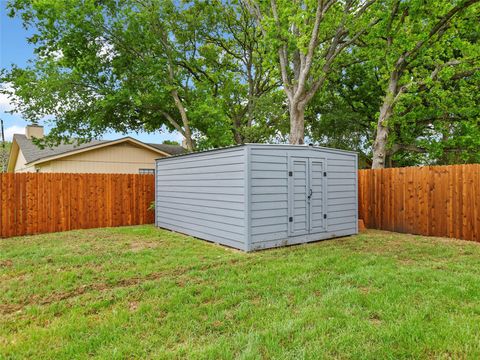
[{"x": 302, "y": 239}]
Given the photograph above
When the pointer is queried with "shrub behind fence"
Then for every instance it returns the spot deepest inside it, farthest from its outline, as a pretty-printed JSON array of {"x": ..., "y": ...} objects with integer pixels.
[
  {"x": 34, "y": 203},
  {"x": 431, "y": 200}
]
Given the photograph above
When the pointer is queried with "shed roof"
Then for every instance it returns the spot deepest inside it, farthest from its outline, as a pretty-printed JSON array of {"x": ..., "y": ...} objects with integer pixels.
[{"x": 185, "y": 153}]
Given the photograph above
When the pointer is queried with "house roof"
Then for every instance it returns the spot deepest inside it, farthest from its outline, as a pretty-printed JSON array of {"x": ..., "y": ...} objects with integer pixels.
[
  {"x": 33, "y": 153},
  {"x": 169, "y": 149}
]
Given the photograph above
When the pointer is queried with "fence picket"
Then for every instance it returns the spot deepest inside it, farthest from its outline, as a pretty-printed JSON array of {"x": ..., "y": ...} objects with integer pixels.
[
  {"x": 433, "y": 200},
  {"x": 40, "y": 203}
]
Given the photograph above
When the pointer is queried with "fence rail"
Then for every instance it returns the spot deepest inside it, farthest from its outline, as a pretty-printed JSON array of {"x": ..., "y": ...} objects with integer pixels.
[
  {"x": 34, "y": 203},
  {"x": 435, "y": 200}
]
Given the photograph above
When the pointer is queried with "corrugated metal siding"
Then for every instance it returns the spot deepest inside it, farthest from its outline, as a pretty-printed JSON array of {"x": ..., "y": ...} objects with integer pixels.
[
  {"x": 269, "y": 194},
  {"x": 204, "y": 195}
]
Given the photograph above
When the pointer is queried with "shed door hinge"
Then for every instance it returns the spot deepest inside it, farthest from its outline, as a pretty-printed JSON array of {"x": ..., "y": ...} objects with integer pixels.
[
  {"x": 290, "y": 173},
  {"x": 290, "y": 219}
]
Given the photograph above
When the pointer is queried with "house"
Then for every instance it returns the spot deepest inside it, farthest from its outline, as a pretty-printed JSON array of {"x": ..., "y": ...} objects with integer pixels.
[{"x": 123, "y": 156}]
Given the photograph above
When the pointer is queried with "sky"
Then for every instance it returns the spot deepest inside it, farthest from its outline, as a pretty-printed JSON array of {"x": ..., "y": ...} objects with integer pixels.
[{"x": 14, "y": 49}]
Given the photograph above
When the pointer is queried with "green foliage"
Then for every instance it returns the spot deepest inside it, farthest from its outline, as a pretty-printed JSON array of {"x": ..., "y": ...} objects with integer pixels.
[
  {"x": 151, "y": 207},
  {"x": 435, "y": 59},
  {"x": 305, "y": 42},
  {"x": 98, "y": 67},
  {"x": 170, "y": 142},
  {"x": 140, "y": 66},
  {"x": 342, "y": 114},
  {"x": 247, "y": 96},
  {"x": 4, "y": 154},
  {"x": 210, "y": 70},
  {"x": 435, "y": 117}
]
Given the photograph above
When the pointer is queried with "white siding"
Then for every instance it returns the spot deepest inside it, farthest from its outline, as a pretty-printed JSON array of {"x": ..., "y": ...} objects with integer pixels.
[{"x": 20, "y": 165}]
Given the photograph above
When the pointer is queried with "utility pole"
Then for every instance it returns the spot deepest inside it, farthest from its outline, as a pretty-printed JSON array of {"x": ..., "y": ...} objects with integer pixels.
[{"x": 4, "y": 151}]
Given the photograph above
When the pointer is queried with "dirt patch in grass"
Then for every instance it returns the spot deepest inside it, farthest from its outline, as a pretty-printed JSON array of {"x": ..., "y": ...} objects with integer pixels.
[
  {"x": 138, "y": 246},
  {"x": 364, "y": 289},
  {"x": 10, "y": 308},
  {"x": 133, "y": 306},
  {"x": 6, "y": 263},
  {"x": 376, "y": 320}
]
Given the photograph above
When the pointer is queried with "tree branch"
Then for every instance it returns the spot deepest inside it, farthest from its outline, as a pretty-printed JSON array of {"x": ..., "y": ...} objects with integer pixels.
[
  {"x": 173, "y": 122},
  {"x": 305, "y": 71},
  {"x": 435, "y": 29},
  {"x": 283, "y": 55}
]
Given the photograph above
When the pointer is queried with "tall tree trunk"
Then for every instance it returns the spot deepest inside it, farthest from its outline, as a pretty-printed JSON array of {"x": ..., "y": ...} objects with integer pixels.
[
  {"x": 188, "y": 139},
  {"x": 386, "y": 111},
  {"x": 381, "y": 138},
  {"x": 187, "y": 133},
  {"x": 237, "y": 128},
  {"x": 297, "y": 123}
]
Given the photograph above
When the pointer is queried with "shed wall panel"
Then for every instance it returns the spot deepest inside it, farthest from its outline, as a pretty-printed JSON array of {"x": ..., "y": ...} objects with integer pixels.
[
  {"x": 203, "y": 195},
  {"x": 269, "y": 195}
]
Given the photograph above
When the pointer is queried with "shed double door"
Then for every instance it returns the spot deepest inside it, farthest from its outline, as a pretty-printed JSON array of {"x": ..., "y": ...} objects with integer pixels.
[{"x": 307, "y": 196}]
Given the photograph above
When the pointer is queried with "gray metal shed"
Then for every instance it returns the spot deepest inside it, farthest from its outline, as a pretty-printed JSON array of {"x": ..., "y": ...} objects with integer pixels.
[{"x": 257, "y": 196}]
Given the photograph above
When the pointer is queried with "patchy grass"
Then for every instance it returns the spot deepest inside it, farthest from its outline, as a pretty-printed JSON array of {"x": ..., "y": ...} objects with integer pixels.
[{"x": 138, "y": 292}]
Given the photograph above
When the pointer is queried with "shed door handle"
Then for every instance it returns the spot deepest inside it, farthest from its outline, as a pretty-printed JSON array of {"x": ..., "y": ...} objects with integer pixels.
[{"x": 310, "y": 194}]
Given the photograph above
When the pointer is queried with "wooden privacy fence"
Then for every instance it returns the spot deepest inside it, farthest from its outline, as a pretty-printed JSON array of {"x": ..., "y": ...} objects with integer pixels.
[
  {"x": 33, "y": 203},
  {"x": 432, "y": 200},
  {"x": 435, "y": 200}
]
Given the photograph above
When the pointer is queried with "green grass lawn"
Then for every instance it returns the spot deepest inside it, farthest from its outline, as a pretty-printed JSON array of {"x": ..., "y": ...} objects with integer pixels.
[{"x": 139, "y": 292}]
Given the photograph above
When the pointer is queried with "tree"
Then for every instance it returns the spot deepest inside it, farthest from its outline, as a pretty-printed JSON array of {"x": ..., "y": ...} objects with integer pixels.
[
  {"x": 306, "y": 38},
  {"x": 4, "y": 154},
  {"x": 439, "y": 123},
  {"x": 144, "y": 65},
  {"x": 246, "y": 93},
  {"x": 100, "y": 66},
  {"x": 407, "y": 47},
  {"x": 170, "y": 142},
  {"x": 341, "y": 114}
]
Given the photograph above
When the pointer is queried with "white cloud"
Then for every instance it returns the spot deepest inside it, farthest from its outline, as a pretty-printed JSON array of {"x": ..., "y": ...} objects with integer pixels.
[
  {"x": 5, "y": 103},
  {"x": 107, "y": 50},
  {"x": 15, "y": 129},
  {"x": 6, "y": 100},
  {"x": 56, "y": 54}
]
